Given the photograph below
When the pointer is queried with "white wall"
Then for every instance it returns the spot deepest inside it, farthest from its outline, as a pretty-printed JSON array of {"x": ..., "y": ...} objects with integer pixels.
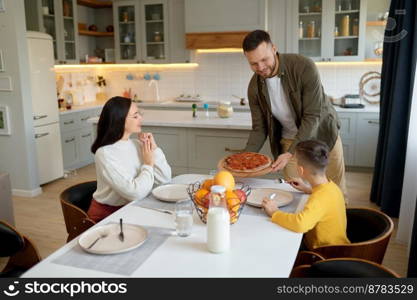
[
  {"x": 218, "y": 76},
  {"x": 17, "y": 151},
  {"x": 409, "y": 193}
]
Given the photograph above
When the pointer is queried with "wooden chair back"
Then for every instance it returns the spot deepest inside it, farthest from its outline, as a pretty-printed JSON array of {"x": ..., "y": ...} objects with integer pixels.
[
  {"x": 75, "y": 202},
  {"x": 369, "y": 231},
  {"x": 21, "y": 251}
]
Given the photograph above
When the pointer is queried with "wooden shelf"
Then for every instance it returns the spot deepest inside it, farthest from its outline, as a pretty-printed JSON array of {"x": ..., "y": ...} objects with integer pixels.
[
  {"x": 95, "y": 3},
  {"x": 376, "y": 23},
  {"x": 95, "y": 33}
]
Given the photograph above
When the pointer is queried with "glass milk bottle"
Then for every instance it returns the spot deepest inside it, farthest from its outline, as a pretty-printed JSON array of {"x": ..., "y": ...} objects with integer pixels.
[{"x": 218, "y": 221}]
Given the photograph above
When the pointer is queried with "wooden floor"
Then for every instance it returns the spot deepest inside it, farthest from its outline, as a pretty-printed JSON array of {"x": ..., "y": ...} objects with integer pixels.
[{"x": 40, "y": 218}]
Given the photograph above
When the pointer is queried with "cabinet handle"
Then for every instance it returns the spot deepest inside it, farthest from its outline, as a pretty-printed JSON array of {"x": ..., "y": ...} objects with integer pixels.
[
  {"x": 70, "y": 140},
  {"x": 39, "y": 135},
  {"x": 69, "y": 122},
  {"x": 373, "y": 122},
  {"x": 227, "y": 149},
  {"x": 85, "y": 119},
  {"x": 39, "y": 117},
  {"x": 86, "y": 135}
]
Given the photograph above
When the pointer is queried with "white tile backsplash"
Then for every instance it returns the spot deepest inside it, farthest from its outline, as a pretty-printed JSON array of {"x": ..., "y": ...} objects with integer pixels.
[{"x": 218, "y": 76}]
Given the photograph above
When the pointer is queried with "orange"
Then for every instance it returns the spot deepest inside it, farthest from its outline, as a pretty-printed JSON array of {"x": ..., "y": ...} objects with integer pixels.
[
  {"x": 199, "y": 195},
  {"x": 225, "y": 179},
  {"x": 207, "y": 184},
  {"x": 232, "y": 199}
]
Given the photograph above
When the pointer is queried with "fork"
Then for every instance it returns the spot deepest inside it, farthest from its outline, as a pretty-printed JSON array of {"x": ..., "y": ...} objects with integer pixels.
[
  {"x": 121, "y": 234},
  {"x": 102, "y": 236}
]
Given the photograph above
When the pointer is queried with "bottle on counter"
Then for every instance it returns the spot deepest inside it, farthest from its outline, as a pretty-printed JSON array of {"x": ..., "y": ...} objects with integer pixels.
[
  {"x": 225, "y": 109},
  {"x": 194, "y": 108},
  {"x": 218, "y": 221},
  {"x": 206, "y": 108}
]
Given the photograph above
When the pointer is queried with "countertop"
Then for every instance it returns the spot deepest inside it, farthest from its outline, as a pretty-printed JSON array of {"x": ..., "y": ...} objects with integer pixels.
[
  {"x": 169, "y": 118},
  {"x": 187, "y": 106}
]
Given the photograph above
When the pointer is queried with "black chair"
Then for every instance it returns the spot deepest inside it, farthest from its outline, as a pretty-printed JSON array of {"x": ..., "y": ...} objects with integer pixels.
[
  {"x": 21, "y": 251},
  {"x": 343, "y": 268},
  {"x": 75, "y": 202},
  {"x": 369, "y": 231}
]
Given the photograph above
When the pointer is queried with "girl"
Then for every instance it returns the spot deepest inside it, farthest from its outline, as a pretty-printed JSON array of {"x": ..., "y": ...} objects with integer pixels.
[{"x": 126, "y": 168}]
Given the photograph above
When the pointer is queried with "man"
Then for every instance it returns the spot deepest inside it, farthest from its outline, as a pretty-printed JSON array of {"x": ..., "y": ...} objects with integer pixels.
[{"x": 288, "y": 104}]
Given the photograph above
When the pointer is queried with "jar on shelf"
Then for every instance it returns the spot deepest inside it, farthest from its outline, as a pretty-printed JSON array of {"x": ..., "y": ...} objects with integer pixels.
[
  {"x": 300, "y": 30},
  {"x": 355, "y": 27},
  {"x": 125, "y": 16},
  {"x": 346, "y": 25},
  {"x": 311, "y": 29},
  {"x": 225, "y": 109},
  {"x": 157, "y": 37},
  {"x": 336, "y": 31}
]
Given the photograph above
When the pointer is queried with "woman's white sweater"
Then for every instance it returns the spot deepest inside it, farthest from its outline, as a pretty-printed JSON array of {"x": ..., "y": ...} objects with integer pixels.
[{"x": 121, "y": 175}]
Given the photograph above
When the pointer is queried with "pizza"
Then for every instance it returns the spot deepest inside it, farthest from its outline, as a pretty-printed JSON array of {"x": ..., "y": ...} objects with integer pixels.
[{"x": 247, "y": 162}]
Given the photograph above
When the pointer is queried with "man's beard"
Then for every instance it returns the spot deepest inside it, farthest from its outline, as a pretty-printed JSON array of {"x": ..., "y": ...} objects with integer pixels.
[{"x": 270, "y": 69}]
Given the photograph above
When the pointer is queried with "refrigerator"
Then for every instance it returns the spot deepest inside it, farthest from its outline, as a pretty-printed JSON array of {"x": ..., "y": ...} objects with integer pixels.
[{"x": 45, "y": 106}]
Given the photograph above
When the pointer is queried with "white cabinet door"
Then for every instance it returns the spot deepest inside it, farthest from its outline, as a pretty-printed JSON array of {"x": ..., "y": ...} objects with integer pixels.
[
  {"x": 49, "y": 153},
  {"x": 224, "y": 15},
  {"x": 312, "y": 30},
  {"x": 367, "y": 139},
  {"x": 86, "y": 140},
  {"x": 70, "y": 153},
  {"x": 208, "y": 146},
  {"x": 173, "y": 142},
  {"x": 127, "y": 35}
]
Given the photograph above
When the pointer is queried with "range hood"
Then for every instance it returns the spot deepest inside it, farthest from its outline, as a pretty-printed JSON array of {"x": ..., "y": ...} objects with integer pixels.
[{"x": 214, "y": 40}]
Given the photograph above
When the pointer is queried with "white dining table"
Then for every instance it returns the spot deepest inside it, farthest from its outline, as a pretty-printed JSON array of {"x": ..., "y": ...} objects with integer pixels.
[{"x": 259, "y": 248}]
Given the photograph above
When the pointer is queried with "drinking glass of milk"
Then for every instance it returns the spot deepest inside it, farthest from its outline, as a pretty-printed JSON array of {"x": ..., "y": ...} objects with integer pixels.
[{"x": 184, "y": 217}]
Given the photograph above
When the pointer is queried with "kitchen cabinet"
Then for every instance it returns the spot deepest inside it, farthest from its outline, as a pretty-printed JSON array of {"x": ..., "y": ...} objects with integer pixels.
[
  {"x": 224, "y": 15},
  {"x": 77, "y": 137},
  {"x": 196, "y": 150},
  {"x": 367, "y": 139},
  {"x": 359, "y": 134},
  {"x": 149, "y": 31},
  {"x": 58, "y": 19},
  {"x": 328, "y": 30}
]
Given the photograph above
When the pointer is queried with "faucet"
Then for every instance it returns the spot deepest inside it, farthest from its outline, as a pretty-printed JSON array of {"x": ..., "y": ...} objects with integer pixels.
[
  {"x": 242, "y": 99},
  {"x": 155, "y": 82}
]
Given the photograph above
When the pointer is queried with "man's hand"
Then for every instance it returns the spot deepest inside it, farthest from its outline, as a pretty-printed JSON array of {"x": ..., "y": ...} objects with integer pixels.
[
  {"x": 270, "y": 206},
  {"x": 281, "y": 161}
]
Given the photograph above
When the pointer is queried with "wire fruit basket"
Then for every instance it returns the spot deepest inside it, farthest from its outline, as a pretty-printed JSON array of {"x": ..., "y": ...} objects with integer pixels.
[{"x": 202, "y": 208}]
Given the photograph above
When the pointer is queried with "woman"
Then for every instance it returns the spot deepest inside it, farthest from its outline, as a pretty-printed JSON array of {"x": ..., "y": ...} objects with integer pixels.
[{"x": 126, "y": 168}]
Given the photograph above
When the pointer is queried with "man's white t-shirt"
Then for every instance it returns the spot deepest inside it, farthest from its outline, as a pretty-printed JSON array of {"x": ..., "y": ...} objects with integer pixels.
[{"x": 281, "y": 108}]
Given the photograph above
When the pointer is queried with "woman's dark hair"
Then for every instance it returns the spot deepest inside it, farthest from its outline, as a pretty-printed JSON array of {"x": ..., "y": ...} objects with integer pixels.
[
  {"x": 254, "y": 39},
  {"x": 313, "y": 153},
  {"x": 111, "y": 125}
]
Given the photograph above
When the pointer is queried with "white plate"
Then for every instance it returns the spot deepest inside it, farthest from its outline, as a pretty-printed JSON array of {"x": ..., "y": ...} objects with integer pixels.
[
  {"x": 171, "y": 192},
  {"x": 134, "y": 236},
  {"x": 256, "y": 196}
]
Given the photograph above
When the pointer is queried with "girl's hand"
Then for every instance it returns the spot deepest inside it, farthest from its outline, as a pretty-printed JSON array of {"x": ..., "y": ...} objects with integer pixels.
[
  {"x": 143, "y": 136},
  {"x": 147, "y": 153},
  {"x": 270, "y": 206},
  {"x": 299, "y": 184}
]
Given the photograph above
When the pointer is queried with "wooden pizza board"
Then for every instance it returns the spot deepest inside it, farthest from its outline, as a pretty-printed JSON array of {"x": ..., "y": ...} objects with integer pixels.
[{"x": 220, "y": 166}]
